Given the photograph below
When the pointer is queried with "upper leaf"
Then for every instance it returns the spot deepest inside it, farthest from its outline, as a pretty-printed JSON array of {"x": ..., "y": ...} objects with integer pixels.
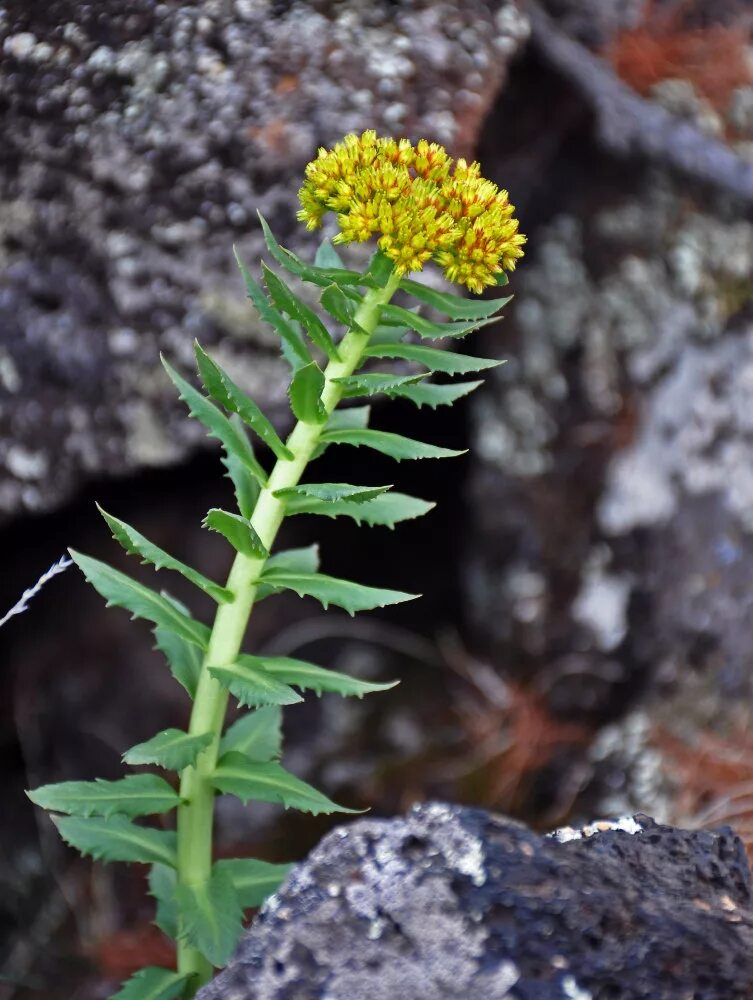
[
  {"x": 256, "y": 734},
  {"x": 306, "y": 272},
  {"x": 252, "y": 686},
  {"x": 134, "y": 795},
  {"x": 394, "y": 445},
  {"x": 327, "y": 256},
  {"x": 429, "y": 394},
  {"x": 254, "y": 880},
  {"x": 183, "y": 658},
  {"x": 425, "y": 327},
  {"x": 330, "y": 492},
  {"x": 221, "y": 387},
  {"x": 454, "y": 306},
  {"x": 432, "y": 358},
  {"x": 352, "y": 597},
  {"x": 117, "y": 839},
  {"x": 387, "y": 509},
  {"x": 173, "y": 749},
  {"x": 338, "y": 304},
  {"x": 371, "y": 383},
  {"x": 210, "y": 916},
  {"x": 217, "y": 424},
  {"x": 289, "y": 303},
  {"x": 121, "y": 590},
  {"x": 237, "y": 775},
  {"x": 309, "y": 677},
  {"x": 305, "y": 560},
  {"x": 136, "y": 544},
  {"x": 238, "y": 530},
  {"x": 305, "y": 394},
  {"x": 152, "y": 983},
  {"x": 380, "y": 269}
]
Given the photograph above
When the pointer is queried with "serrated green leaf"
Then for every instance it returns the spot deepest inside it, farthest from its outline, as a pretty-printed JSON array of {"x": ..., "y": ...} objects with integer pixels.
[
  {"x": 432, "y": 395},
  {"x": 309, "y": 677},
  {"x": 162, "y": 888},
  {"x": 386, "y": 334},
  {"x": 254, "y": 880},
  {"x": 330, "y": 492},
  {"x": 211, "y": 916},
  {"x": 136, "y": 544},
  {"x": 351, "y": 417},
  {"x": 432, "y": 357},
  {"x": 327, "y": 256},
  {"x": 217, "y": 424},
  {"x": 339, "y": 304},
  {"x": 454, "y": 306},
  {"x": 386, "y": 510},
  {"x": 121, "y": 590},
  {"x": 251, "y": 686},
  {"x": 306, "y": 272},
  {"x": 152, "y": 983},
  {"x": 221, "y": 387},
  {"x": 237, "y": 530},
  {"x": 117, "y": 839},
  {"x": 173, "y": 749},
  {"x": 245, "y": 487},
  {"x": 425, "y": 328},
  {"x": 256, "y": 734},
  {"x": 352, "y": 597},
  {"x": 380, "y": 269},
  {"x": 372, "y": 383},
  {"x": 303, "y": 560},
  {"x": 289, "y": 336},
  {"x": 239, "y": 776},
  {"x": 294, "y": 307},
  {"x": 502, "y": 279},
  {"x": 134, "y": 795},
  {"x": 183, "y": 658},
  {"x": 305, "y": 394},
  {"x": 394, "y": 445}
]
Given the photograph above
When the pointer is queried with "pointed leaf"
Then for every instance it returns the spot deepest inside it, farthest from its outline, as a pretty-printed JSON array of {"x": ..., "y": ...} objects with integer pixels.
[
  {"x": 184, "y": 659},
  {"x": 217, "y": 424},
  {"x": 294, "y": 307},
  {"x": 256, "y": 734},
  {"x": 134, "y": 795},
  {"x": 425, "y": 327},
  {"x": 394, "y": 445},
  {"x": 173, "y": 749},
  {"x": 289, "y": 336},
  {"x": 432, "y": 395},
  {"x": 386, "y": 334},
  {"x": 387, "y": 509},
  {"x": 245, "y": 486},
  {"x": 251, "y": 686},
  {"x": 327, "y": 256},
  {"x": 339, "y": 305},
  {"x": 372, "y": 383},
  {"x": 237, "y": 775},
  {"x": 117, "y": 839},
  {"x": 352, "y": 597},
  {"x": 221, "y": 387},
  {"x": 380, "y": 269},
  {"x": 309, "y": 677},
  {"x": 254, "y": 880},
  {"x": 454, "y": 306},
  {"x": 136, "y": 544},
  {"x": 152, "y": 983},
  {"x": 162, "y": 887},
  {"x": 330, "y": 492},
  {"x": 305, "y": 394},
  {"x": 304, "y": 560},
  {"x": 316, "y": 275},
  {"x": 502, "y": 279},
  {"x": 353, "y": 417},
  {"x": 211, "y": 917},
  {"x": 432, "y": 358},
  {"x": 121, "y": 590},
  {"x": 237, "y": 530}
]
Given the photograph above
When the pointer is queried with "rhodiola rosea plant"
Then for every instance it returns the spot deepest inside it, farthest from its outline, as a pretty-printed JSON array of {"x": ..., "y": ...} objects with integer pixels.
[{"x": 420, "y": 205}]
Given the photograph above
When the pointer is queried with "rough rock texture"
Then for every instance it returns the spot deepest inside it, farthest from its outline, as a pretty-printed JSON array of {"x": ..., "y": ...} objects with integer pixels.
[
  {"x": 452, "y": 902},
  {"x": 138, "y": 144}
]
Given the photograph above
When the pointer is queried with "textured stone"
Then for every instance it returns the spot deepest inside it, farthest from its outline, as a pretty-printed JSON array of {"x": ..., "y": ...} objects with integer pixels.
[{"x": 452, "y": 902}]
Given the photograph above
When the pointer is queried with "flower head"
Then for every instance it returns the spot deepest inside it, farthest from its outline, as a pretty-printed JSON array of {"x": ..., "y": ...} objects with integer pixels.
[{"x": 419, "y": 204}]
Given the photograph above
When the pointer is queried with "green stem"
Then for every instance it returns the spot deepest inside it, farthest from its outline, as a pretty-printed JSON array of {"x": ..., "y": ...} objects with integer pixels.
[{"x": 195, "y": 815}]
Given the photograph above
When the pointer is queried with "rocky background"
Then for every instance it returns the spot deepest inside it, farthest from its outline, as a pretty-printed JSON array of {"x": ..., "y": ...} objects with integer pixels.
[{"x": 584, "y": 645}]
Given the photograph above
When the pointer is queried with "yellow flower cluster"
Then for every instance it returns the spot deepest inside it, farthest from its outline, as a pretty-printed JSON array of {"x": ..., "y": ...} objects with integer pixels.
[{"x": 420, "y": 203}]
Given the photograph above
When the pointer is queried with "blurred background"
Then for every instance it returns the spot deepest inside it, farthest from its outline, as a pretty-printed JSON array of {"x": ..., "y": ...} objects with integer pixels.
[{"x": 585, "y": 641}]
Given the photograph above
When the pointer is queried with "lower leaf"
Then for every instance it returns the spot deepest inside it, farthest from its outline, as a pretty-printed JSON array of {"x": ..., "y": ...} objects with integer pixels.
[
  {"x": 309, "y": 677},
  {"x": 134, "y": 795},
  {"x": 173, "y": 749},
  {"x": 252, "y": 686},
  {"x": 152, "y": 983},
  {"x": 257, "y": 734},
  {"x": 254, "y": 880},
  {"x": 117, "y": 839},
  {"x": 210, "y": 916}
]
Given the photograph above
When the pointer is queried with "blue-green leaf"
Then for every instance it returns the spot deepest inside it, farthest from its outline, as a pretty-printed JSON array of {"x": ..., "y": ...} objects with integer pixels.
[
  {"x": 372, "y": 383},
  {"x": 432, "y": 357},
  {"x": 306, "y": 272},
  {"x": 211, "y": 916},
  {"x": 251, "y": 686},
  {"x": 327, "y": 256},
  {"x": 352, "y": 597},
  {"x": 256, "y": 734},
  {"x": 184, "y": 659},
  {"x": 152, "y": 983},
  {"x": 217, "y": 424},
  {"x": 303, "y": 560},
  {"x": 305, "y": 394},
  {"x": 338, "y": 304},
  {"x": 294, "y": 307},
  {"x": 309, "y": 677},
  {"x": 173, "y": 749},
  {"x": 162, "y": 887},
  {"x": 351, "y": 417},
  {"x": 394, "y": 445},
  {"x": 221, "y": 387},
  {"x": 254, "y": 880},
  {"x": 117, "y": 839},
  {"x": 387, "y": 509},
  {"x": 454, "y": 306},
  {"x": 136, "y": 544},
  {"x": 121, "y": 590},
  {"x": 237, "y": 775},
  {"x": 387, "y": 334},
  {"x": 330, "y": 492},
  {"x": 429, "y": 394},
  {"x": 425, "y": 327},
  {"x": 380, "y": 269},
  {"x": 134, "y": 795},
  {"x": 237, "y": 530}
]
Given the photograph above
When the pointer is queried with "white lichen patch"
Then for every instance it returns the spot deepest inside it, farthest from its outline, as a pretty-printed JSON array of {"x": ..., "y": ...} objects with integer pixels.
[{"x": 625, "y": 824}]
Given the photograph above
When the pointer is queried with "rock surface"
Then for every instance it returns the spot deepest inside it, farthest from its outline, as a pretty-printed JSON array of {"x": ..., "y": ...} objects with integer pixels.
[{"x": 452, "y": 902}]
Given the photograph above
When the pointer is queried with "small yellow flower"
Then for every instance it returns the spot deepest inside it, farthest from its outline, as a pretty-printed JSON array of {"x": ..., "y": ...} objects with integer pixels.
[{"x": 419, "y": 204}]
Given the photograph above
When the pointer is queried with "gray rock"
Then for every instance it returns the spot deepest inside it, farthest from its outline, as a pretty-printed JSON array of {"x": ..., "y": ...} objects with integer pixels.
[{"x": 458, "y": 903}]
